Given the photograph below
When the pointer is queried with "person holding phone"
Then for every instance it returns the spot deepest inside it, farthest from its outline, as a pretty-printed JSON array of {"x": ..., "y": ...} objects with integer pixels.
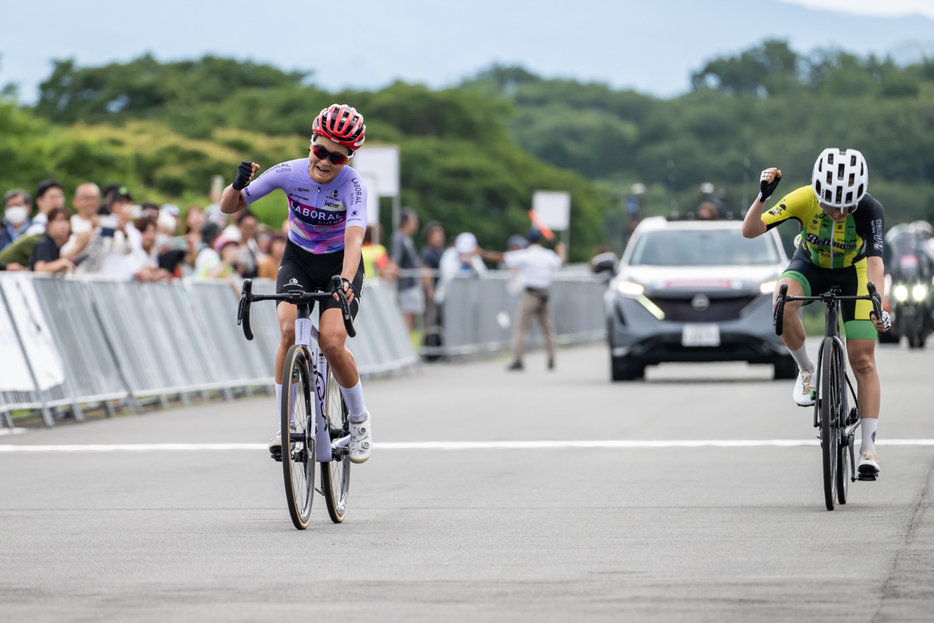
[{"x": 90, "y": 233}]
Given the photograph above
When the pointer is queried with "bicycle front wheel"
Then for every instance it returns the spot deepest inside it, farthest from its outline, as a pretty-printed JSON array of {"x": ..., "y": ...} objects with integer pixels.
[
  {"x": 829, "y": 398},
  {"x": 335, "y": 474},
  {"x": 298, "y": 447}
]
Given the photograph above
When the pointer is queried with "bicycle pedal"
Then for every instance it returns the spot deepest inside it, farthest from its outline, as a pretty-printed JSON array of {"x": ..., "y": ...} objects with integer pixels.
[
  {"x": 868, "y": 476},
  {"x": 276, "y": 456}
]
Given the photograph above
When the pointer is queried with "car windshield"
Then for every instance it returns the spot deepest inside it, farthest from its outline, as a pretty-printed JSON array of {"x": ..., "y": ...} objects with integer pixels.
[{"x": 702, "y": 247}]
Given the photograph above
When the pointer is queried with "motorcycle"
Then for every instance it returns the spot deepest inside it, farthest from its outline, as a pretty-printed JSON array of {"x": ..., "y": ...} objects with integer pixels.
[{"x": 911, "y": 304}]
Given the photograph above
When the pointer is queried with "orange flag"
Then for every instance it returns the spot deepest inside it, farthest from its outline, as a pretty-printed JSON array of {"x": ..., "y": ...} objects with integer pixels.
[{"x": 547, "y": 233}]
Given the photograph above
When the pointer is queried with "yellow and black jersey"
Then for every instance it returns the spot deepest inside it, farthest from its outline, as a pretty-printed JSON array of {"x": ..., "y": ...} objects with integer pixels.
[{"x": 825, "y": 243}]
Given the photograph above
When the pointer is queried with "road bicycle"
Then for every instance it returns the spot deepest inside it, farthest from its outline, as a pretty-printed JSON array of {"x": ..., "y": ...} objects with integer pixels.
[
  {"x": 837, "y": 425},
  {"x": 315, "y": 427}
]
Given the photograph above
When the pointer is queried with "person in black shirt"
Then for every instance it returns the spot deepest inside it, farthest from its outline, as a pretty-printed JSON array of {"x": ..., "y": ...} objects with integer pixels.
[
  {"x": 433, "y": 234},
  {"x": 47, "y": 257}
]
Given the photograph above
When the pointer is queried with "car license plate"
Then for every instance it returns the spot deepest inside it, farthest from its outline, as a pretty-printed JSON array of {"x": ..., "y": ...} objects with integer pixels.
[{"x": 700, "y": 335}]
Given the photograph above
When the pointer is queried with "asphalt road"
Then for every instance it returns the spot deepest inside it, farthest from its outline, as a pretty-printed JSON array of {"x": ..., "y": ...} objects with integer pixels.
[{"x": 711, "y": 519}]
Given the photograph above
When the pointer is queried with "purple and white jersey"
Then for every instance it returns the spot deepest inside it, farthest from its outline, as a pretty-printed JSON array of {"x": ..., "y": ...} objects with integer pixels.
[{"x": 318, "y": 214}]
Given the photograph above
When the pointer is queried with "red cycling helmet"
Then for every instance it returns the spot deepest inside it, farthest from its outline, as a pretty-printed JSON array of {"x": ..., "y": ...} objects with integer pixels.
[{"x": 342, "y": 124}]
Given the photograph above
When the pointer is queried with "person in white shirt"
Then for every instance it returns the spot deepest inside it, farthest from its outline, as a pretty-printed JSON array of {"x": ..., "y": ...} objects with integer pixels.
[
  {"x": 461, "y": 259},
  {"x": 536, "y": 266}
]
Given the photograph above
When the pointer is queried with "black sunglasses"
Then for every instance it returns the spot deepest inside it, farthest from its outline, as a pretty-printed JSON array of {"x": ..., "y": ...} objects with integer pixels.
[{"x": 335, "y": 157}]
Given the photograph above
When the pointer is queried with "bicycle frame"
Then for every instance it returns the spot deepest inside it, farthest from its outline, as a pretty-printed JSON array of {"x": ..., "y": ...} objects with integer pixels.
[{"x": 326, "y": 447}]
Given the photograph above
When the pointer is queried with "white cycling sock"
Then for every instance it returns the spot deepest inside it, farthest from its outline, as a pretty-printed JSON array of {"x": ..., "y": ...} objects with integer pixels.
[
  {"x": 800, "y": 356},
  {"x": 353, "y": 397},
  {"x": 278, "y": 399},
  {"x": 867, "y": 433}
]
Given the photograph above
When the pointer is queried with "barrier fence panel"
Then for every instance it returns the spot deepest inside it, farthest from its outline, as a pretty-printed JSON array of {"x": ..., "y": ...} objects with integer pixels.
[
  {"x": 382, "y": 339},
  {"x": 480, "y": 313},
  {"x": 265, "y": 323},
  {"x": 578, "y": 309},
  {"x": 196, "y": 367},
  {"x": 23, "y": 323},
  {"x": 240, "y": 361},
  {"x": 5, "y": 412},
  {"x": 91, "y": 374},
  {"x": 146, "y": 347}
]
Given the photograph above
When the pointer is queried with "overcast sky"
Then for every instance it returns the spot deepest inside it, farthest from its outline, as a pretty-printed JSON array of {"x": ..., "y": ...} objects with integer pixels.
[{"x": 650, "y": 46}]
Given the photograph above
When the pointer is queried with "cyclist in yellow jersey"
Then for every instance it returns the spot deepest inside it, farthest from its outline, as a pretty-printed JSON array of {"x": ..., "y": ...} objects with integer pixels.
[{"x": 841, "y": 244}]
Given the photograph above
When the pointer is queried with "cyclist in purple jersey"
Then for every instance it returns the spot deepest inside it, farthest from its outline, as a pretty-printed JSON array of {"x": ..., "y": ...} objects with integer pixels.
[
  {"x": 327, "y": 220},
  {"x": 319, "y": 214}
]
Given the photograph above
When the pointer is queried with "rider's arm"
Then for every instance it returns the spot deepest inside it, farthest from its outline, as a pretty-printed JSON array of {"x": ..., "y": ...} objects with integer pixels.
[
  {"x": 875, "y": 272},
  {"x": 753, "y": 224},
  {"x": 232, "y": 199},
  {"x": 353, "y": 242}
]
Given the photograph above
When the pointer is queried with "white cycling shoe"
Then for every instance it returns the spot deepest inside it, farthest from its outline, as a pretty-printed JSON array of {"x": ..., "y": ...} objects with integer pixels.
[
  {"x": 868, "y": 466},
  {"x": 275, "y": 444},
  {"x": 361, "y": 440},
  {"x": 804, "y": 389}
]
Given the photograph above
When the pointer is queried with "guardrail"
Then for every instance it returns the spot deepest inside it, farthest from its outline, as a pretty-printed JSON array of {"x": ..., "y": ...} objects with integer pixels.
[
  {"x": 90, "y": 341},
  {"x": 79, "y": 342}
]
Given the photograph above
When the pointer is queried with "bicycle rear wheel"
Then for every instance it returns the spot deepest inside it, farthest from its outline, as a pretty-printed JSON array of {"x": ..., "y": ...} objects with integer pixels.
[
  {"x": 298, "y": 448},
  {"x": 335, "y": 474},
  {"x": 829, "y": 394}
]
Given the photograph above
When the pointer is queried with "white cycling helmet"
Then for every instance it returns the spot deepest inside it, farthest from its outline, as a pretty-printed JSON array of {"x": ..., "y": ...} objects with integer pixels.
[{"x": 840, "y": 178}]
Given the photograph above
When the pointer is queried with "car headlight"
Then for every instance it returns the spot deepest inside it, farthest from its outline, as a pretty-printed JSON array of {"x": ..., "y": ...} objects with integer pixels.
[
  {"x": 901, "y": 293},
  {"x": 919, "y": 292},
  {"x": 635, "y": 291},
  {"x": 768, "y": 287},
  {"x": 629, "y": 288}
]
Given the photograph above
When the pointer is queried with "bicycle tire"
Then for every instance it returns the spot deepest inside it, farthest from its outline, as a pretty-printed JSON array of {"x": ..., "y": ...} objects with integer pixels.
[
  {"x": 827, "y": 403},
  {"x": 298, "y": 455},
  {"x": 335, "y": 474}
]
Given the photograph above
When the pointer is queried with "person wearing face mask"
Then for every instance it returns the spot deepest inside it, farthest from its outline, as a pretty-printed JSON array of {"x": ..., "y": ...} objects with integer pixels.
[{"x": 17, "y": 204}]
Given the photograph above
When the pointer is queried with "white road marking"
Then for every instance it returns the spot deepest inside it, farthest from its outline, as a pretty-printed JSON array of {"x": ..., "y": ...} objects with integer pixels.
[{"x": 611, "y": 444}]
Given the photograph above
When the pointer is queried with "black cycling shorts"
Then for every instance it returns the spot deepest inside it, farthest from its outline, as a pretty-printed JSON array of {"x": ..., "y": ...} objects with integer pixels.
[
  {"x": 314, "y": 272},
  {"x": 852, "y": 282}
]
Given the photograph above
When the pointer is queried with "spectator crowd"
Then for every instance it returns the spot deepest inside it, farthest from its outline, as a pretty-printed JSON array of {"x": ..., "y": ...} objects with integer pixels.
[{"x": 106, "y": 233}]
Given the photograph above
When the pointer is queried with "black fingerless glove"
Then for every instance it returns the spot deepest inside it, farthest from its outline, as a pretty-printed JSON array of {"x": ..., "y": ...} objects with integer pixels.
[
  {"x": 766, "y": 188},
  {"x": 244, "y": 173}
]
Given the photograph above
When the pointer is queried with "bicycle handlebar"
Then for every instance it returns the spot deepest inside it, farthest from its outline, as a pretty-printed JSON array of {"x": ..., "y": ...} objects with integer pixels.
[
  {"x": 295, "y": 297},
  {"x": 827, "y": 298}
]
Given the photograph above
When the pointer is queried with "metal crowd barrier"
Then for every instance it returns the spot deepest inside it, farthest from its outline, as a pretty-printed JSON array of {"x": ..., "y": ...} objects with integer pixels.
[
  {"x": 125, "y": 341},
  {"x": 480, "y": 313}
]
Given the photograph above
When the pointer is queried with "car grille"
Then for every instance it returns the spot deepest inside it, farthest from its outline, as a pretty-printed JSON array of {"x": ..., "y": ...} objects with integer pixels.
[{"x": 720, "y": 309}]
